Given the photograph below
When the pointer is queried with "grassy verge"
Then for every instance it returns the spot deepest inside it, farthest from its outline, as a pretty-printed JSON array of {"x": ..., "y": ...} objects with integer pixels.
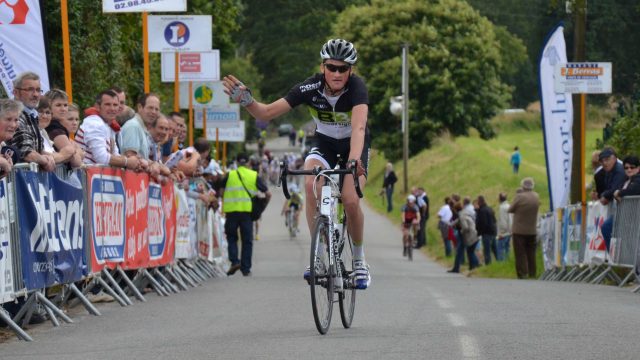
[{"x": 471, "y": 166}]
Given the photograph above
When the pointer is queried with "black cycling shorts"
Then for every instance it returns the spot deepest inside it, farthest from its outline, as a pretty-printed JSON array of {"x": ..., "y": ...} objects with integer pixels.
[
  {"x": 295, "y": 206},
  {"x": 327, "y": 149}
]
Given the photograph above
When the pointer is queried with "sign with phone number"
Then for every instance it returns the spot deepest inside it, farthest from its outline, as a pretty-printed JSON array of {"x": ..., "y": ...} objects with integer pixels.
[{"x": 110, "y": 6}]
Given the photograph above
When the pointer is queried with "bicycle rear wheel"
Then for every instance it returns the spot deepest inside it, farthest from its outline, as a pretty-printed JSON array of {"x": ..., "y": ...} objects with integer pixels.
[
  {"x": 320, "y": 280},
  {"x": 410, "y": 248},
  {"x": 348, "y": 295},
  {"x": 291, "y": 227}
]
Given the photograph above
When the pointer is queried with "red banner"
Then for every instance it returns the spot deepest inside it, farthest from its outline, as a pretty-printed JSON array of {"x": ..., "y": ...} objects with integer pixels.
[
  {"x": 136, "y": 187},
  {"x": 168, "y": 209}
]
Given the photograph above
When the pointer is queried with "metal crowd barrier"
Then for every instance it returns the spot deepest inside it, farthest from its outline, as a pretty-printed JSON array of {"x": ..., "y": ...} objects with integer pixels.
[
  {"x": 170, "y": 276},
  {"x": 595, "y": 264}
]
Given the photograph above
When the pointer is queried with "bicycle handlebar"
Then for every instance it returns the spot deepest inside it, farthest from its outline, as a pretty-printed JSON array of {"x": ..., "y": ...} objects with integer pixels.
[{"x": 284, "y": 171}]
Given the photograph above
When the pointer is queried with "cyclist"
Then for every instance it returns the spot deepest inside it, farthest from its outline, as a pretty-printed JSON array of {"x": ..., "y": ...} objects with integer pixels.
[
  {"x": 296, "y": 202},
  {"x": 410, "y": 219},
  {"x": 338, "y": 102}
]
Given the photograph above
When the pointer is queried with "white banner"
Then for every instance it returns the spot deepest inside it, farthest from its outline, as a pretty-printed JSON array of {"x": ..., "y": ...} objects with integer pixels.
[
  {"x": 546, "y": 234},
  {"x": 199, "y": 66},
  {"x": 230, "y": 134},
  {"x": 109, "y": 6},
  {"x": 6, "y": 266},
  {"x": 595, "y": 248},
  {"x": 203, "y": 95},
  {"x": 219, "y": 116},
  {"x": 193, "y": 229},
  {"x": 557, "y": 121},
  {"x": 182, "y": 224},
  {"x": 21, "y": 43},
  {"x": 583, "y": 78},
  {"x": 179, "y": 33}
]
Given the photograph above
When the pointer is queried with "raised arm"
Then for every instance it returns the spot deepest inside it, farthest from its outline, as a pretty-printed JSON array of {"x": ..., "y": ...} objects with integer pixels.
[{"x": 240, "y": 93}]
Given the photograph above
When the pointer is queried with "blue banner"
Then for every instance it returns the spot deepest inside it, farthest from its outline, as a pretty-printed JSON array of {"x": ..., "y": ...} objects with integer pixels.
[{"x": 52, "y": 234}]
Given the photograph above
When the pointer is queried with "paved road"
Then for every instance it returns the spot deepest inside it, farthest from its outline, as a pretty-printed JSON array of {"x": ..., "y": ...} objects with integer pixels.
[{"x": 414, "y": 310}]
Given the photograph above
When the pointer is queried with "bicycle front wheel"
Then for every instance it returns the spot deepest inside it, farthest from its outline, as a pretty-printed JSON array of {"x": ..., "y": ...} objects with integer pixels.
[
  {"x": 321, "y": 279},
  {"x": 348, "y": 295},
  {"x": 291, "y": 227}
]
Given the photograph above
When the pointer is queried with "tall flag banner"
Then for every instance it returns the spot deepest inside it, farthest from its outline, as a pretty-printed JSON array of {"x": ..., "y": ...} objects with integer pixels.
[
  {"x": 21, "y": 42},
  {"x": 557, "y": 121},
  {"x": 140, "y": 6}
]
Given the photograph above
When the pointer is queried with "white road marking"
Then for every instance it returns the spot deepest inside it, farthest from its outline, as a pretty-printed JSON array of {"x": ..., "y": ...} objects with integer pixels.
[
  {"x": 456, "y": 320},
  {"x": 444, "y": 303},
  {"x": 469, "y": 347}
]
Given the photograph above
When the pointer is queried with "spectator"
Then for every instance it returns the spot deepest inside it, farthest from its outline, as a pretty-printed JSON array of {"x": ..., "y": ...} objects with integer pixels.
[
  {"x": 44, "y": 119},
  {"x": 515, "y": 160},
  {"x": 292, "y": 137},
  {"x": 167, "y": 147},
  {"x": 466, "y": 235},
  {"x": 181, "y": 131},
  {"x": 122, "y": 100},
  {"x": 72, "y": 122},
  {"x": 597, "y": 186},
  {"x": 390, "y": 179},
  {"x": 10, "y": 111},
  {"x": 504, "y": 228},
  {"x": 191, "y": 159},
  {"x": 630, "y": 187},
  {"x": 486, "y": 227},
  {"x": 126, "y": 114},
  {"x": 614, "y": 176},
  {"x": 159, "y": 133},
  {"x": 57, "y": 133},
  {"x": 135, "y": 137},
  {"x": 239, "y": 186},
  {"x": 444, "y": 218},
  {"x": 423, "y": 204},
  {"x": 525, "y": 216},
  {"x": 27, "y": 139},
  {"x": 97, "y": 138}
]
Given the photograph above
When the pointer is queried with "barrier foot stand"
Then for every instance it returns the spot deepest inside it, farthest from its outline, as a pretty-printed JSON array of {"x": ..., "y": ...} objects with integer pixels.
[
  {"x": 614, "y": 277},
  {"x": 154, "y": 283},
  {"x": 176, "y": 279},
  {"x": 598, "y": 279},
  {"x": 193, "y": 267},
  {"x": 190, "y": 270},
  {"x": 21, "y": 334},
  {"x": 116, "y": 287},
  {"x": 45, "y": 302},
  {"x": 544, "y": 275},
  {"x": 557, "y": 274},
  {"x": 592, "y": 272},
  {"x": 581, "y": 274},
  {"x": 203, "y": 270},
  {"x": 184, "y": 276},
  {"x": 569, "y": 274},
  {"x": 208, "y": 266},
  {"x": 52, "y": 317},
  {"x": 627, "y": 278},
  {"x": 167, "y": 284},
  {"x": 87, "y": 304},
  {"x": 186, "y": 272},
  {"x": 25, "y": 311},
  {"x": 130, "y": 285},
  {"x": 110, "y": 291}
]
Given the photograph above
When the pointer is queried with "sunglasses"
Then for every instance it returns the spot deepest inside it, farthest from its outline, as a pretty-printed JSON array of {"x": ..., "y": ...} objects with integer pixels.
[
  {"x": 630, "y": 167},
  {"x": 339, "y": 68}
]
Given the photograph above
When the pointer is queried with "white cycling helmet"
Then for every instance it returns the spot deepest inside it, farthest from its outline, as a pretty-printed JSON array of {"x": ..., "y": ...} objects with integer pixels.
[
  {"x": 339, "y": 49},
  {"x": 293, "y": 188},
  {"x": 411, "y": 198}
]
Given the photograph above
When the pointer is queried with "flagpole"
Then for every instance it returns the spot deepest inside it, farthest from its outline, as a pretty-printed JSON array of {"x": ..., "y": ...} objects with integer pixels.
[
  {"x": 66, "y": 52},
  {"x": 145, "y": 51},
  {"x": 176, "y": 84}
]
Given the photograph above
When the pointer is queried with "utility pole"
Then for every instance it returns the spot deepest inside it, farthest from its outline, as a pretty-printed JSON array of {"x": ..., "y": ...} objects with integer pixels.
[
  {"x": 405, "y": 114},
  {"x": 579, "y": 10}
]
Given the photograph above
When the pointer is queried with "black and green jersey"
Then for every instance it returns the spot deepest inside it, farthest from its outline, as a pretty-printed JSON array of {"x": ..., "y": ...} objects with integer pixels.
[{"x": 332, "y": 115}]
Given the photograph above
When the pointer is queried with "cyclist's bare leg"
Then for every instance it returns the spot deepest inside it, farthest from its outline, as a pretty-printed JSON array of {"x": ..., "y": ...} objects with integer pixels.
[
  {"x": 310, "y": 210},
  {"x": 351, "y": 203}
]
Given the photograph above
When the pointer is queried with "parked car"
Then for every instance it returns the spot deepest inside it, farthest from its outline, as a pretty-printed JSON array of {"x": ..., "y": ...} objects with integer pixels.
[{"x": 285, "y": 129}]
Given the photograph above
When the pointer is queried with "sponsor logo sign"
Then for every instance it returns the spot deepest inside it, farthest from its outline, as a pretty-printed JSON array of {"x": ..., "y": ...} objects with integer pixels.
[
  {"x": 169, "y": 214},
  {"x": 50, "y": 219},
  {"x": 21, "y": 42},
  {"x": 583, "y": 78},
  {"x": 108, "y": 218},
  {"x": 136, "y": 186},
  {"x": 203, "y": 95},
  {"x": 192, "y": 66},
  {"x": 229, "y": 134},
  {"x": 109, "y": 6},
  {"x": 6, "y": 259},
  {"x": 156, "y": 222},
  {"x": 182, "y": 225},
  {"x": 219, "y": 116},
  {"x": 179, "y": 33}
]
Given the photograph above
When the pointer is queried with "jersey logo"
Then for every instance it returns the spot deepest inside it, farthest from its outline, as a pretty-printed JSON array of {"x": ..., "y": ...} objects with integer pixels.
[
  {"x": 330, "y": 117},
  {"x": 305, "y": 88}
]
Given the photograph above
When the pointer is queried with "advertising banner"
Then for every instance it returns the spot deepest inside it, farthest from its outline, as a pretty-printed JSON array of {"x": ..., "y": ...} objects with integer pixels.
[
  {"x": 213, "y": 229},
  {"x": 107, "y": 206},
  {"x": 193, "y": 229},
  {"x": 557, "y": 121},
  {"x": 595, "y": 247},
  {"x": 182, "y": 224},
  {"x": 156, "y": 223},
  {"x": 111, "y": 6},
  {"x": 204, "y": 233},
  {"x": 583, "y": 78},
  {"x": 21, "y": 43},
  {"x": 179, "y": 33},
  {"x": 557, "y": 239},
  {"x": 571, "y": 232},
  {"x": 198, "y": 66},
  {"x": 169, "y": 214},
  {"x": 136, "y": 186},
  {"x": 229, "y": 134},
  {"x": 6, "y": 259},
  {"x": 203, "y": 95},
  {"x": 219, "y": 116},
  {"x": 51, "y": 223},
  {"x": 546, "y": 235}
]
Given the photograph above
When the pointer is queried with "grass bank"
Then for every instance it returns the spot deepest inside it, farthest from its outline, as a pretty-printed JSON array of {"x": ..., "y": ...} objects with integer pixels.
[{"x": 470, "y": 166}]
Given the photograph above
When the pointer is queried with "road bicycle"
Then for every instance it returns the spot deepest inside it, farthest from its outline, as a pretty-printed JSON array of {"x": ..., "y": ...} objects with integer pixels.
[
  {"x": 292, "y": 224},
  {"x": 408, "y": 241},
  {"x": 331, "y": 255}
]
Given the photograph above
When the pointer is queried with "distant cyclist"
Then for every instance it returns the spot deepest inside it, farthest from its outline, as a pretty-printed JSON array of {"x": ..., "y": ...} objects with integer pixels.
[
  {"x": 295, "y": 203},
  {"x": 338, "y": 102},
  {"x": 410, "y": 219}
]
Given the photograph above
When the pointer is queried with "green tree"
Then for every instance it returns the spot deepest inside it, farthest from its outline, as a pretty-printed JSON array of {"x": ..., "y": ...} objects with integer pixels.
[{"x": 455, "y": 67}]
